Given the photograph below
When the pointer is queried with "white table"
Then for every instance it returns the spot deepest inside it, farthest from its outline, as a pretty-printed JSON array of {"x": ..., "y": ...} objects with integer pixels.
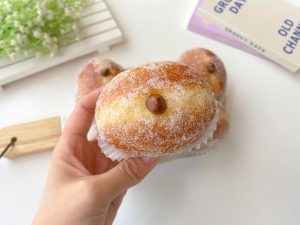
[{"x": 253, "y": 177}]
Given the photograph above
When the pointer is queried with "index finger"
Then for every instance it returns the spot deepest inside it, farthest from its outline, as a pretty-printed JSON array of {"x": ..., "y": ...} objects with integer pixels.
[{"x": 82, "y": 116}]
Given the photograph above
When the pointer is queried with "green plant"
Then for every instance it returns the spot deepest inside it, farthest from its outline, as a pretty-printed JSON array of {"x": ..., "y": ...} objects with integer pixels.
[{"x": 38, "y": 27}]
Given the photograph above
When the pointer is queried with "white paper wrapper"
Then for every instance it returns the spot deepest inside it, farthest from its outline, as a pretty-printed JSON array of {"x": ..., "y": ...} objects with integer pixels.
[
  {"x": 183, "y": 155},
  {"x": 92, "y": 134},
  {"x": 113, "y": 153}
]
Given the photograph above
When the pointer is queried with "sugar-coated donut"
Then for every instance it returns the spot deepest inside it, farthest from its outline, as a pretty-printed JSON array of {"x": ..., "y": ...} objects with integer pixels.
[
  {"x": 209, "y": 66},
  {"x": 95, "y": 74},
  {"x": 155, "y": 109}
]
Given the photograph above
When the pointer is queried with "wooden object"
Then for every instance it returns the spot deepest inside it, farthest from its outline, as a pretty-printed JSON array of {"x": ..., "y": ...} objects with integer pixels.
[
  {"x": 99, "y": 31},
  {"x": 32, "y": 137}
]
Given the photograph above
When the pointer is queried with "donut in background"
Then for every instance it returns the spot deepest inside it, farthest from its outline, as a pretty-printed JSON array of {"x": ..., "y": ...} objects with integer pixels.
[
  {"x": 210, "y": 68},
  {"x": 96, "y": 74}
]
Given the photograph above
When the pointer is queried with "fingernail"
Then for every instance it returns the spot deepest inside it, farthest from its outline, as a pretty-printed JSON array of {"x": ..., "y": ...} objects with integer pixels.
[{"x": 150, "y": 160}]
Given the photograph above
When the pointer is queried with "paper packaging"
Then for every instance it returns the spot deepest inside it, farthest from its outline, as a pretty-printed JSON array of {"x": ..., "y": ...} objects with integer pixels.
[
  {"x": 271, "y": 27},
  {"x": 115, "y": 154}
]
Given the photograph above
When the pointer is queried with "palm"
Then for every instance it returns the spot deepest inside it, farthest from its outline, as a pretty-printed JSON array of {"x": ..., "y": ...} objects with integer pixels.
[{"x": 84, "y": 158}]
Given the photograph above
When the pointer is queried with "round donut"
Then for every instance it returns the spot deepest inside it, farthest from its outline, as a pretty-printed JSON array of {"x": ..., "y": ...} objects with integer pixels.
[
  {"x": 155, "y": 109},
  {"x": 96, "y": 74},
  {"x": 209, "y": 66}
]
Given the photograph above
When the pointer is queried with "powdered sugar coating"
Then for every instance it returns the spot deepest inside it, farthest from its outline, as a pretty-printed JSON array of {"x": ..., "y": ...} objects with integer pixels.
[
  {"x": 124, "y": 121},
  {"x": 93, "y": 75},
  {"x": 209, "y": 66},
  {"x": 196, "y": 148}
]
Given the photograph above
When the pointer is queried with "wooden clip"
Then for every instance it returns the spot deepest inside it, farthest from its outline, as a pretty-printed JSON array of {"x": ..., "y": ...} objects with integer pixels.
[{"x": 31, "y": 137}]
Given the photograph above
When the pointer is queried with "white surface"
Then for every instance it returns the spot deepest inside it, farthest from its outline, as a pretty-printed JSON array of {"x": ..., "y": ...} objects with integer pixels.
[
  {"x": 252, "y": 179},
  {"x": 98, "y": 29}
]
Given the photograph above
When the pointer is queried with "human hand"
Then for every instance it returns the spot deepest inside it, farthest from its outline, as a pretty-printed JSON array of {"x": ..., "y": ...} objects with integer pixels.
[{"x": 83, "y": 186}]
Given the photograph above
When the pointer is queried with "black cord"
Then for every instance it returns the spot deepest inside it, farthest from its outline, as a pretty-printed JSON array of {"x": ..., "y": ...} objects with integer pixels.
[{"x": 13, "y": 140}]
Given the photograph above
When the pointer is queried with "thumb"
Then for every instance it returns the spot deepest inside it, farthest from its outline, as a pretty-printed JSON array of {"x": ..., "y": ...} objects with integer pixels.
[{"x": 127, "y": 174}]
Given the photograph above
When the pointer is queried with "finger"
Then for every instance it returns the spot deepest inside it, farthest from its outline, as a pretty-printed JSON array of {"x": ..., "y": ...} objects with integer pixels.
[
  {"x": 127, "y": 174},
  {"x": 82, "y": 116}
]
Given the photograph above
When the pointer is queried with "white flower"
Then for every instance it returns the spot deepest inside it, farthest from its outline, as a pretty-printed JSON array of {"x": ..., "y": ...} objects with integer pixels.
[
  {"x": 50, "y": 15},
  {"x": 26, "y": 30},
  {"x": 40, "y": 12},
  {"x": 7, "y": 5},
  {"x": 75, "y": 27},
  {"x": 68, "y": 12},
  {"x": 37, "y": 33},
  {"x": 18, "y": 49},
  {"x": 40, "y": 22},
  {"x": 61, "y": 4},
  {"x": 22, "y": 29},
  {"x": 46, "y": 44},
  {"x": 20, "y": 38},
  {"x": 13, "y": 42},
  {"x": 44, "y": 4},
  {"x": 53, "y": 50},
  {"x": 52, "y": 54},
  {"x": 12, "y": 56},
  {"x": 17, "y": 23},
  {"x": 39, "y": 9},
  {"x": 46, "y": 36},
  {"x": 39, "y": 18},
  {"x": 63, "y": 31}
]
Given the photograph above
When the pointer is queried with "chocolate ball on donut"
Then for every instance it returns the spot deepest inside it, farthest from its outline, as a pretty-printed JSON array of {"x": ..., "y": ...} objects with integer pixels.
[
  {"x": 155, "y": 109},
  {"x": 96, "y": 74},
  {"x": 156, "y": 104},
  {"x": 209, "y": 66}
]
